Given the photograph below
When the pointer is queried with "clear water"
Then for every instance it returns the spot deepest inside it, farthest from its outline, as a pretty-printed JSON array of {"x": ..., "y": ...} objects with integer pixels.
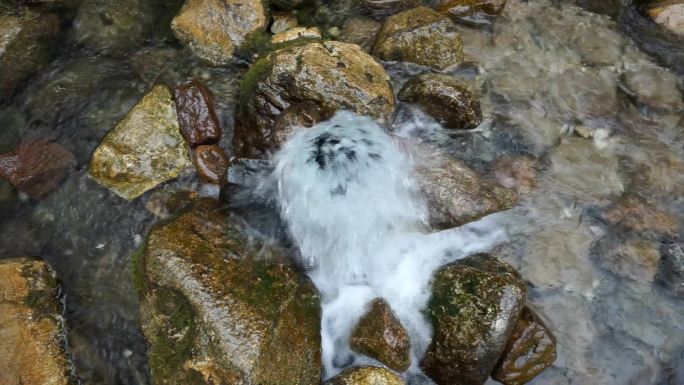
[{"x": 545, "y": 70}]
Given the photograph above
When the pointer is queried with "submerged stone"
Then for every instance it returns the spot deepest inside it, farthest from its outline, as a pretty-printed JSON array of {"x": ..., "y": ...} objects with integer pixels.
[
  {"x": 518, "y": 173},
  {"x": 634, "y": 214},
  {"x": 218, "y": 309},
  {"x": 530, "y": 350},
  {"x": 331, "y": 74},
  {"x": 365, "y": 375},
  {"x": 380, "y": 9},
  {"x": 671, "y": 269},
  {"x": 25, "y": 46},
  {"x": 446, "y": 99},
  {"x": 420, "y": 36},
  {"x": 634, "y": 259},
  {"x": 474, "y": 307},
  {"x": 458, "y": 9},
  {"x": 32, "y": 340},
  {"x": 214, "y": 29},
  {"x": 211, "y": 163},
  {"x": 196, "y": 114},
  {"x": 380, "y": 335},
  {"x": 144, "y": 149}
]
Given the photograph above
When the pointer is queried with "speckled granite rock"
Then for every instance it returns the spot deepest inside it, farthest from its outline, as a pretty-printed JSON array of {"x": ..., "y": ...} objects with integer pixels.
[{"x": 365, "y": 375}]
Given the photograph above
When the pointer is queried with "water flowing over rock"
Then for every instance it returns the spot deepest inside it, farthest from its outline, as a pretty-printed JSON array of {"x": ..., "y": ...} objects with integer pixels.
[
  {"x": 635, "y": 259},
  {"x": 144, "y": 149},
  {"x": 654, "y": 86},
  {"x": 530, "y": 349},
  {"x": 474, "y": 307},
  {"x": 634, "y": 214},
  {"x": 518, "y": 173},
  {"x": 458, "y": 9},
  {"x": 214, "y": 29},
  {"x": 669, "y": 14},
  {"x": 380, "y": 335},
  {"x": 420, "y": 36},
  {"x": 211, "y": 163},
  {"x": 333, "y": 75},
  {"x": 25, "y": 46},
  {"x": 446, "y": 99},
  {"x": 671, "y": 271},
  {"x": 366, "y": 375},
  {"x": 219, "y": 309},
  {"x": 456, "y": 194},
  {"x": 196, "y": 114},
  {"x": 32, "y": 345},
  {"x": 36, "y": 167}
]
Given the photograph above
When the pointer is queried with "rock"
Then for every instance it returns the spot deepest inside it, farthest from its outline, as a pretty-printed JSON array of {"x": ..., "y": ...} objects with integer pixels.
[
  {"x": 459, "y": 9},
  {"x": 300, "y": 115},
  {"x": 420, "y": 36},
  {"x": 211, "y": 163},
  {"x": 365, "y": 375},
  {"x": 286, "y": 4},
  {"x": 455, "y": 194},
  {"x": 144, "y": 149},
  {"x": 196, "y": 115},
  {"x": 296, "y": 33},
  {"x": 113, "y": 27},
  {"x": 380, "y": 9},
  {"x": 671, "y": 271},
  {"x": 669, "y": 14},
  {"x": 582, "y": 93},
  {"x": 218, "y": 310},
  {"x": 446, "y": 99},
  {"x": 333, "y": 75},
  {"x": 36, "y": 167},
  {"x": 634, "y": 214},
  {"x": 654, "y": 86},
  {"x": 530, "y": 349},
  {"x": 360, "y": 31},
  {"x": 380, "y": 335},
  {"x": 214, "y": 29},
  {"x": 32, "y": 340},
  {"x": 26, "y": 44},
  {"x": 634, "y": 259},
  {"x": 474, "y": 308},
  {"x": 164, "y": 204},
  {"x": 518, "y": 173},
  {"x": 282, "y": 21}
]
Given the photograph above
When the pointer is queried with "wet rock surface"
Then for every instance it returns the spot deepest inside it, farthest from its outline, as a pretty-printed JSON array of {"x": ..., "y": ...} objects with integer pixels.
[
  {"x": 211, "y": 163},
  {"x": 32, "y": 343},
  {"x": 196, "y": 115},
  {"x": 36, "y": 167},
  {"x": 380, "y": 335},
  {"x": 214, "y": 29},
  {"x": 446, "y": 99},
  {"x": 669, "y": 14},
  {"x": 144, "y": 149},
  {"x": 635, "y": 259},
  {"x": 529, "y": 351},
  {"x": 365, "y": 375},
  {"x": 518, "y": 173},
  {"x": 333, "y": 75},
  {"x": 458, "y": 9},
  {"x": 26, "y": 44},
  {"x": 474, "y": 307},
  {"x": 634, "y": 214},
  {"x": 420, "y": 36},
  {"x": 361, "y": 31},
  {"x": 380, "y": 9},
  {"x": 218, "y": 310},
  {"x": 671, "y": 269}
]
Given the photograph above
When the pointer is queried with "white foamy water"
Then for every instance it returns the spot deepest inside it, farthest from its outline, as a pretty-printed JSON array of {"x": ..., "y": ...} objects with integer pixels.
[{"x": 348, "y": 197}]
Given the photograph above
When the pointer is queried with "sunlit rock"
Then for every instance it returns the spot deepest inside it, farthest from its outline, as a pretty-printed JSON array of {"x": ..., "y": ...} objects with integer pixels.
[
  {"x": 144, "y": 149},
  {"x": 474, "y": 307},
  {"x": 214, "y": 29},
  {"x": 218, "y": 309},
  {"x": 450, "y": 102},
  {"x": 333, "y": 75},
  {"x": 380, "y": 335},
  {"x": 32, "y": 340},
  {"x": 25, "y": 46},
  {"x": 366, "y": 375},
  {"x": 669, "y": 14},
  {"x": 296, "y": 33},
  {"x": 420, "y": 36}
]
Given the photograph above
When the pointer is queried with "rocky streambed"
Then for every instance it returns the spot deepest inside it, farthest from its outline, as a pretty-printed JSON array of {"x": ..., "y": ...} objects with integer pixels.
[{"x": 136, "y": 137}]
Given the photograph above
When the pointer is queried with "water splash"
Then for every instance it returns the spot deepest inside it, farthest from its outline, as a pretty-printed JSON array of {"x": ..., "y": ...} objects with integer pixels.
[{"x": 348, "y": 195}]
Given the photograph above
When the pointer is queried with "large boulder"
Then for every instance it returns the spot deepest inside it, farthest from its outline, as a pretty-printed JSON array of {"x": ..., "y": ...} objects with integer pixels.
[
  {"x": 420, "y": 36},
  {"x": 365, "y": 375},
  {"x": 449, "y": 101},
  {"x": 333, "y": 75},
  {"x": 25, "y": 46},
  {"x": 144, "y": 149},
  {"x": 380, "y": 335},
  {"x": 214, "y": 29},
  {"x": 474, "y": 307},
  {"x": 31, "y": 333},
  {"x": 218, "y": 309}
]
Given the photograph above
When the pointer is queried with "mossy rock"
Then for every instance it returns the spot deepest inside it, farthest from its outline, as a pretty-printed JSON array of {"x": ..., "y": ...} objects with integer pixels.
[
  {"x": 474, "y": 307},
  {"x": 365, "y": 375},
  {"x": 219, "y": 309}
]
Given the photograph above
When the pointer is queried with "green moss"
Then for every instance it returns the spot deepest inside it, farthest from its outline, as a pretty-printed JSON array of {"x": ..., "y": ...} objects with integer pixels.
[
  {"x": 138, "y": 269},
  {"x": 42, "y": 300},
  {"x": 254, "y": 75},
  {"x": 257, "y": 44}
]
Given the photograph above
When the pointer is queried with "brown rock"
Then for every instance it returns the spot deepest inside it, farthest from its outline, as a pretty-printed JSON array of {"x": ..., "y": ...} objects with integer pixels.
[
  {"x": 635, "y": 214},
  {"x": 518, "y": 173},
  {"x": 380, "y": 335},
  {"x": 36, "y": 167},
  {"x": 530, "y": 349},
  {"x": 361, "y": 31},
  {"x": 196, "y": 115},
  {"x": 444, "y": 98},
  {"x": 458, "y": 9},
  {"x": 211, "y": 163},
  {"x": 304, "y": 114},
  {"x": 636, "y": 259},
  {"x": 365, "y": 375},
  {"x": 296, "y": 33},
  {"x": 380, "y": 9},
  {"x": 30, "y": 327}
]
